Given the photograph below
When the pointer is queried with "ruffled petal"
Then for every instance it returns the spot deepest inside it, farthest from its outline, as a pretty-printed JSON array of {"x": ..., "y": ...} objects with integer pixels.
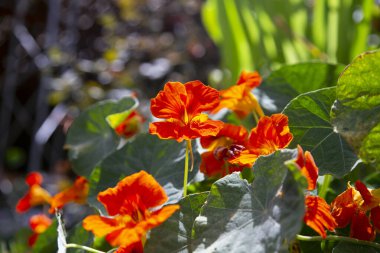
[
  {"x": 170, "y": 102},
  {"x": 132, "y": 248},
  {"x": 318, "y": 215},
  {"x": 251, "y": 79},
  {"x": 227, "y": 135},
  {"x": 361, "y": 228},
  {"x": 308, "y": 168},
  {"x": 158, "y": 217},
  {"x": 343, "y": 207},
  {"x": 245, "y": 158},
  {"x": 167, "y": 130},
  {"x": 140, "y": 184},
  {"x": 200, "y": 98},
  {"x": 201, "y": 125},
  {"x": 77, "y": 193},
  {"x": 101, "y": 226}
]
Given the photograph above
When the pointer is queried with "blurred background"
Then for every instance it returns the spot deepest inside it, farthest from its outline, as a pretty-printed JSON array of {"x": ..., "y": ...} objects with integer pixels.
[{"x": 58, "y": 57}]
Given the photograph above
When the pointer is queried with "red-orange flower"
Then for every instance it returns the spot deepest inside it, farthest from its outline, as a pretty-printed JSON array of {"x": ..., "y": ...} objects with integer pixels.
[
  {"x": 272, "y": 133},
  {"x": 76, "y": 193},
  {"x": 181, "y": 106},
  {"x": 352, "y": 206},
  {"x": 38, "y": 223},
  {"x": 130, "y": 204},
  {"x": 130, "y": 125},
  {"x": 221, "y": 148},
  {"x": 36, "y": 195},
  {"x": 317, "y": 215},
  {"x": 239, "y": 99}
]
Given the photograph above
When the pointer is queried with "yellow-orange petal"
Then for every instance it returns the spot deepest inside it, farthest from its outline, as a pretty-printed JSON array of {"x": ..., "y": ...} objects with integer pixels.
[
  {"x": 227, "y": 135},
  {"x": 101, "y": 226},
  {"x": 158, "y": 217},
  {"x": 343, "y": 207},
  {"x": 140, "y": 184},
  {"x": 251, "y": 79},
  {"x": 39, "y": 223},
  {"x": 361, "y": 227},
  {"x": 170, "y": 102},
  {"x": 35, "y": 196},
  {"x": 76, "y": 193},
  {"x": 318, "y": 216},
  {"x": 245, "y": 158},
  {"x": 205, "y": 127},
  {"x": 272, "y": 133}
]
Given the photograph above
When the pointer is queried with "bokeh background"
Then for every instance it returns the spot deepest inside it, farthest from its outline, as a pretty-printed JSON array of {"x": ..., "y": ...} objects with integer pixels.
[{"x": 58, "y": 57}]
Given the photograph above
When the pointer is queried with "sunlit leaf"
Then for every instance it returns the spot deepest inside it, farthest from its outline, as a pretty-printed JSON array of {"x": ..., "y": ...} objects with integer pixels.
[
  {"x": 239, "y": 217},
  {"x": 290, "y": 81},
  {"x": 310, "y": 124},
  {"x": 90, "y": 138}
]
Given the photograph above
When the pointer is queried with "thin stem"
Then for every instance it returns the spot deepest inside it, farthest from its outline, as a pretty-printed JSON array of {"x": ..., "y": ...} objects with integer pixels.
[
  {"x": 73, "y": 245},
  {"x": 191, "y": 155},
  {"x": 186, "y": 169},
  {"x": 337, "y": 238},
  {"x": 325, "y": 186}
]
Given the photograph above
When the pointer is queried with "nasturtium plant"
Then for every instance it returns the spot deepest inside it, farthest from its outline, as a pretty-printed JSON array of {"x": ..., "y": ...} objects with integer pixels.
[
  {"x": 310, "y": 123},
  {"x": 91, "y": 138},
  {"x": 356, "y": 111}
]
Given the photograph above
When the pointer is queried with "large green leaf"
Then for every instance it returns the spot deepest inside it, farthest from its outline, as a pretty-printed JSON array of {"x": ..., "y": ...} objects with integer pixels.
[
  {"x": 239, "y": 217},
  {"x": 309, "y": 122},
  {"x": 164, "y": 159},
  {"x": 178, "y": 228},
  {"x": 290, "y": 81},
  {"x": 356, "y": 112},
  {"x": 90, "y": 138},
  {"x": 359, "y": 84}
]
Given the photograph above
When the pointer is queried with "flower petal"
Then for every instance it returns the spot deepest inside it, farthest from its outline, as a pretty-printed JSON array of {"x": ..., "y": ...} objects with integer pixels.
[
  {"x": 361, "y": 228},
  {"x": 251, "y": 79},
  {"x": 35, "y": 196},
  {"x": 200, "y": 98},
  {"x": 132, "y": 248},
  {"x": 343, "y": 207},
  {"x": 170, "y": 102},
  {"x": 77, "y": 193},
  {"x": 375, "y": 217},
  {"x": 140, "y": 184},
  {"x": 101, "y": 226},
  {"x": 245, "y": 158},
  {"x": 308, "y": 168},
  {"x": 39, "y": 223},
  {"x": 227, "y": 135},
  {"x": 34, "y": 178},
  {"x": 318, "y": 215},
  {"x": 204, "y": 127}
]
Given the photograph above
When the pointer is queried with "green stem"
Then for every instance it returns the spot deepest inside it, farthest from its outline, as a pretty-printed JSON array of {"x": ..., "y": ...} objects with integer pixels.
[
  {"x": 325, "y": 186},
  {"x": 337, "y": 238},
  {"x": 188, "y": 144},
  {"x": 73, "y": 245}
]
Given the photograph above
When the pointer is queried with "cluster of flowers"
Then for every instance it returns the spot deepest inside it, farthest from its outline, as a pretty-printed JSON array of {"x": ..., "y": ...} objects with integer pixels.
[{"x": 134, "y": 205}]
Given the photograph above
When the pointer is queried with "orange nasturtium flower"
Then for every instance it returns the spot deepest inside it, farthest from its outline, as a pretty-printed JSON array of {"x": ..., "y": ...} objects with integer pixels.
[
  {"x": 352, "y": 206},
  {"x": 239, "y": 98},
  {"x": 76, "y": 193},
  {"x": 35, "y": 196},
  {"x": 181, "y": 105},
  {"x": 317, "y": 215},
  {"x": 38, "y": 223},
  {"x": 130, "y": 126},
  {"x": 220, "y": 149},
  {"x": 270, "y": 134},
  {"x": 130, "y": 208}
]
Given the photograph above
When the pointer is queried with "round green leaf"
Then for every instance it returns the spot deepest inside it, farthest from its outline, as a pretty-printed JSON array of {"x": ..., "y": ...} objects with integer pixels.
[
  {"x": 290, "y": 81},
  {"x": 178, "y": 228},
  {"x": 239, "y": 217},
  {"x": 359, "y": 84},
  {"x": 90, "y": 138},
  {"x": 163, "y": 159},
  {"x": 310, "y": 124}
]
